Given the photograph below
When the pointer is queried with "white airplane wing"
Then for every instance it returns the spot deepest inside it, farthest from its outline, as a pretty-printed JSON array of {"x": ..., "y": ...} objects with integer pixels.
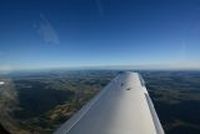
[{"x": 122, "y": 107}]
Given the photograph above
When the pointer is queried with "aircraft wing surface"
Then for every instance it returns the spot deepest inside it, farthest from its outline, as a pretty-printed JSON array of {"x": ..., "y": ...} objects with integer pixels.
[{"x": 122, "y": 107}]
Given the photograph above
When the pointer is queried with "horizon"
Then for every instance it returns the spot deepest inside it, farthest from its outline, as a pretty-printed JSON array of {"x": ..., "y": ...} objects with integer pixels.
[{"x": 107, "y": 67}]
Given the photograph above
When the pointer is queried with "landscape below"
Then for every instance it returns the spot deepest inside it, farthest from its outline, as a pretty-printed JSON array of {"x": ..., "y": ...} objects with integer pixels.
[{"x": 39, "y": 102}]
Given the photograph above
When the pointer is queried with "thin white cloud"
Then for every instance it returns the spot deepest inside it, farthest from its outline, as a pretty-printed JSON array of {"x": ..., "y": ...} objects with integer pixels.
[
  {"x": 99, "y": 7},
  {"x": 46, "y": 31}
]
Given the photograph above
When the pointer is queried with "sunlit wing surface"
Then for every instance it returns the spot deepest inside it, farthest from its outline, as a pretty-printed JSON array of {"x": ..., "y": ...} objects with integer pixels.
[{"x": 122, "y": 107}]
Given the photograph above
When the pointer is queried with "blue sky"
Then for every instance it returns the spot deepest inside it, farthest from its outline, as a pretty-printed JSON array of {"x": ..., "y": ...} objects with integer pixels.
[{"x": 73, "y": 33}]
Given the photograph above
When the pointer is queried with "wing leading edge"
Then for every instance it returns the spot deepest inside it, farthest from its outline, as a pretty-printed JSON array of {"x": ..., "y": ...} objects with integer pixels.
[{"x": 122, "y": 107}]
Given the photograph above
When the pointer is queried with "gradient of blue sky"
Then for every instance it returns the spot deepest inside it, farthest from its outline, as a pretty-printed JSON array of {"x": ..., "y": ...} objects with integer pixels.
[{"x": 59, "y": 33}]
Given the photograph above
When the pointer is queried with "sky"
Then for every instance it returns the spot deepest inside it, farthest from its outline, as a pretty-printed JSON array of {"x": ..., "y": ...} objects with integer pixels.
[{"x": 78, "y": 33}]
